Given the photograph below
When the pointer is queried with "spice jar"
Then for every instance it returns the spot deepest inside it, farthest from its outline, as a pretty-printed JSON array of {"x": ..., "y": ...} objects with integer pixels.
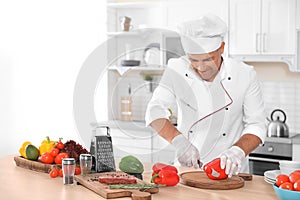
[
  {"x": 68, "y": 168},
  {"x": 85, "y": 164}
]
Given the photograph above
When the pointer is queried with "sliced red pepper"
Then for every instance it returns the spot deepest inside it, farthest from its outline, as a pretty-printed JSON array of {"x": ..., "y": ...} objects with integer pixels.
[{"x": 213, "y": 170}]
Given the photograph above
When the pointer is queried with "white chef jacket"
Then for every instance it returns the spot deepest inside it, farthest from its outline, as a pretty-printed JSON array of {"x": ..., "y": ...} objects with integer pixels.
[{"x": 212, "y": 115}]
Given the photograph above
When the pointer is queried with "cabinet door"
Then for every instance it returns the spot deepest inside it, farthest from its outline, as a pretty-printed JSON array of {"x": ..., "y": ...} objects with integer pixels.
[
  {"x": 178, "y": 12},
  {"x": 244, "y": 23},
  {"x": 278, "y": 26}
]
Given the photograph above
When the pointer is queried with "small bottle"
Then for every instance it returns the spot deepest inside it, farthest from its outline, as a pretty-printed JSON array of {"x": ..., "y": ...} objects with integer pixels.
[
  {"x": 68, "y": 168},
  {"x": 126, "y": 106},
  {"x": 85, "y": 164}
]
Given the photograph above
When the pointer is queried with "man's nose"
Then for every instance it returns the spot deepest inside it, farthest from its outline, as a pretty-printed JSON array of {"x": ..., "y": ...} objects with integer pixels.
[{"x": 200, "y": 67}]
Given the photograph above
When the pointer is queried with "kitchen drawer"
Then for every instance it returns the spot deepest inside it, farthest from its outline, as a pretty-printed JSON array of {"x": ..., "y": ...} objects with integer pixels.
[{"x": 271, "y": 148}]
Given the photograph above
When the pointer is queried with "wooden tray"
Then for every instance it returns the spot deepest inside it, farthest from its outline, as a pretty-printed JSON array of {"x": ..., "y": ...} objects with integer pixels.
[
  {"x": 104, "y": 191},
  {"x": 199, "y": 179},
  {"x": 34, "y": 165}
]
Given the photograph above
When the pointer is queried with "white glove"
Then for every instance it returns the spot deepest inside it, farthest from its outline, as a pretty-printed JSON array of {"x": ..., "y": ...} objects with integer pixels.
[
  {"x": 232, "y": 160},
  {"x": 186, "y": 153}
]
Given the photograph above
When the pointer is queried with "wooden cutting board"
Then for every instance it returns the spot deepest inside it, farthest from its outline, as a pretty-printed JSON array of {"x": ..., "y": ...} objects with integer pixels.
[
  {"x": 34, "y": 165},
  {"x": 90, "y": 181},
  {"x": 199, "y": 179}
]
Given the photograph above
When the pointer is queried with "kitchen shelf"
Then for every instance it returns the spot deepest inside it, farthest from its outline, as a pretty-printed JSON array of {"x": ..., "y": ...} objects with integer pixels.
[
  {"x": 123, "y": 33},
  {"x": 128, "y": 125},
  {"x": 137, "y": 70},
  {"x": 289, "y": 59},
  {"x": 144, "y": 4}
]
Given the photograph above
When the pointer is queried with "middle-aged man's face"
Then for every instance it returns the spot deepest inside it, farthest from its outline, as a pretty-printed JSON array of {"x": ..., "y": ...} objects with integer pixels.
[{"x": 207, "y": 65}]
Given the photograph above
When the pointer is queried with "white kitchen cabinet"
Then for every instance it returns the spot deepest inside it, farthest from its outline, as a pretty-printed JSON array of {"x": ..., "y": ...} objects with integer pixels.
[
  {"x": 298, "y": 14},
  {"x": 262, "y": 27},
  {"x": 180, "y": 11}
]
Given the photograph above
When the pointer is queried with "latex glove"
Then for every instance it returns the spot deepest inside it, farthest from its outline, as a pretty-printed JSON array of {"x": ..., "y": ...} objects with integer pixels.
[
  {"x": 186, "y": 153},
  {"x": 232, "y": 159}
]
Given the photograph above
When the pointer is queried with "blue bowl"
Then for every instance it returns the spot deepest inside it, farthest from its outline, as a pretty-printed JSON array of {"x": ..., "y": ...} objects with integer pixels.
[{"x": 286, "y": 194}]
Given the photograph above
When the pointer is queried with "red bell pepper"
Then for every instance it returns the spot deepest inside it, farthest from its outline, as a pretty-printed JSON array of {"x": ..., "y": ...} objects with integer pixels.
[
  {"x": 159, "y": 166},
  {"x": 164, "y": 174},
  {"x": 213, "y": 170}
]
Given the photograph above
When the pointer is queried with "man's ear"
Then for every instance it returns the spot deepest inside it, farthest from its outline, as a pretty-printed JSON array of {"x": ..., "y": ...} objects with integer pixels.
[{"x": 222, "y": 47}]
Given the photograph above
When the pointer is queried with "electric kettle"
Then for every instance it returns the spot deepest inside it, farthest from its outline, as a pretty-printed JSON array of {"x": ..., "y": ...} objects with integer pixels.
[{"x": 278, "y": 128}]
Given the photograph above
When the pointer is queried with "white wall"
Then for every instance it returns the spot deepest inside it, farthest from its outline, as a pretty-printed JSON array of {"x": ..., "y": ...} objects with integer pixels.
[{"x": 42, "y": 47}]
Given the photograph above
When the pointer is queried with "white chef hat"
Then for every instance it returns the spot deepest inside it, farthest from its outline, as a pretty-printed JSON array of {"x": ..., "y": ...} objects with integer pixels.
[{"x": 203, "y": 35}]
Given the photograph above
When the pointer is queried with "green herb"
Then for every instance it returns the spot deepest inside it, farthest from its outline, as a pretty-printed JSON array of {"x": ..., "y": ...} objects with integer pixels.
[
  {"x": 135, "y": 186},
  {"x": 148, "y": 77}
]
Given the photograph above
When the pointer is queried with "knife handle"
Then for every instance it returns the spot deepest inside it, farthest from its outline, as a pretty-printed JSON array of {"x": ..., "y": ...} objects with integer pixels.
[{"x": 245, "y": 176}]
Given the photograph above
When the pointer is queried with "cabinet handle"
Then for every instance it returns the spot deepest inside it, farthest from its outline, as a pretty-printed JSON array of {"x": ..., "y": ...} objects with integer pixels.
[
  {"x": 257, "y": 43},
  {"x": 264, "y": 42}
]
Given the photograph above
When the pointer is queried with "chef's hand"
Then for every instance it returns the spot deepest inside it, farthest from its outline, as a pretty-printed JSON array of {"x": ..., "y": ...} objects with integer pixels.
[
  {"x": 232, "y": 160},
  {"x": 186, "y": 153}
]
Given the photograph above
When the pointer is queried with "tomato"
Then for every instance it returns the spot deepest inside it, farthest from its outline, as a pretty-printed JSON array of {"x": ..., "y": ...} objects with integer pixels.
[
  {"x": 297, "y": 185},
  {"x": 294, "y": 176},
  {"x": 47, "y": 158},
  {"x": 77, "y": 170},
  {"x": 286, "y": 186},
  {"x": 282, "y": 178},
  {"x": 53, "y": 173},
  {"x": 58, "y": 159},
  {"x": 59, "y": 144},
  {"x": 60, "y": 173},
  {"x": 54, "y": 152}
]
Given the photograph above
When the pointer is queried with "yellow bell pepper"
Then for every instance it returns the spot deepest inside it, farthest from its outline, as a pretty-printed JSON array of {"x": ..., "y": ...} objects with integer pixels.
[
  {"x": 23, "y": 149},
  {"x": 46, "y": 145}
]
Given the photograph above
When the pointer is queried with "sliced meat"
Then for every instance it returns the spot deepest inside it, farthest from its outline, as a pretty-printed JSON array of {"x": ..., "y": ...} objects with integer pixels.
[{"x": 117, "y": 179}]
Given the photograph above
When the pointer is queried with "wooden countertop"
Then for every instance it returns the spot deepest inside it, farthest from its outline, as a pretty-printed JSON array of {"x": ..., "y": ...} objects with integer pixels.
[{"x": 20, "y": 183}]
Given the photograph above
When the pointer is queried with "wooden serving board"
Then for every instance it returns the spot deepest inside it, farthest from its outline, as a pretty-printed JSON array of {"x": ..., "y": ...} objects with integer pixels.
[
  {"x": 34, "y": 165},
  {"x": 90, "y": 181},
  {"x": 199, "y": 179}
]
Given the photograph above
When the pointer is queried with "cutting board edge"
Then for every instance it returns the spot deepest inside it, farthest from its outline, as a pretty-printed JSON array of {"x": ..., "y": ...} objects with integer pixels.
[
  {"x": 34, "y": 165},
  {"x": 238, "y": 183},
  {"x": 107, "y": 193}
]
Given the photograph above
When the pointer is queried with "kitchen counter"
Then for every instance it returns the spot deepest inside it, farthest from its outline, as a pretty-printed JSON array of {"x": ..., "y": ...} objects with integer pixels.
[
  {"x": 20, "y": 183},
  {"x": 296, "y": 139}
]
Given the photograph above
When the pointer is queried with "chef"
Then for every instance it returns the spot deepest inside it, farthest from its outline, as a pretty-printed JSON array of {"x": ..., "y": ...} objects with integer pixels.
[{"x": 219, "y": 102}]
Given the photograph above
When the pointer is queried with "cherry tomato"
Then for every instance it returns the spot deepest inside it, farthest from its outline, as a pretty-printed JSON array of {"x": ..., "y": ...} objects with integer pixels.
[
  {"x": 47, "y": 158},
  {"x": 54, "y": 152},
  {"x": 281, "y": 178},
  {"x": 297, "y": 185},
  {"x": 59, "y": 144},
  {"x": 286, "y": 186},
  {"x": 77, "y": 170},
  {"x": 60, "y": 173},
  {"x": 294, "y": 176},
  {"x": 53, "y": 173},
  {"x": 297, "y": 171},
  {"x": 58, "y": 159}
]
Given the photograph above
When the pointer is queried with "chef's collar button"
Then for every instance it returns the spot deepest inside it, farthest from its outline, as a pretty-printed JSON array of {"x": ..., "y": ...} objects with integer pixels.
[
  {"x": 224, "y": 134},
  {"x": 226, "y": 108},
  {"x": 191, "y": 131},
  {"x": 186, "y": 75},
  {"x": 229, "y": 78}
]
